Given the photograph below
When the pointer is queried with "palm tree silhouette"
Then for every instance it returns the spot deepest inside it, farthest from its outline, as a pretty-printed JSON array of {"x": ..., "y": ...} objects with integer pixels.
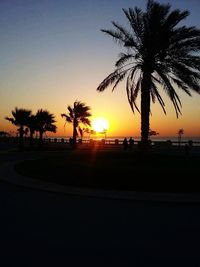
[
  {"x": 152, "y": 132},
  {"x": 180, "y": 133},
  {"x": 20, "y": 118},
  {"x": 44, "y": 123},
  {"x": 156, "y": 53},
  {"x": 78, "y": 114},
  {"x": 32, "y": 125}
]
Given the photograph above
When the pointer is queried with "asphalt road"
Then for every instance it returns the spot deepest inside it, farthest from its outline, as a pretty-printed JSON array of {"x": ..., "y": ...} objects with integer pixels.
[{"x": 48, "y": 229}]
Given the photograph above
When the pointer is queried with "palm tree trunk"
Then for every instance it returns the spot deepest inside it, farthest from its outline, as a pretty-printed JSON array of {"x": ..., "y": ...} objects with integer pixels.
[
  {"x": 74, "y": 132},
  {"x": 145, "y": 109},
  {"x": 21, "y": 141}
]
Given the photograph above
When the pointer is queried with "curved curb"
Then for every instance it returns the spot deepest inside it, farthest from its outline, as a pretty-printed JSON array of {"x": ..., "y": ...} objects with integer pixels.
[{"x": 8, "y": 174}]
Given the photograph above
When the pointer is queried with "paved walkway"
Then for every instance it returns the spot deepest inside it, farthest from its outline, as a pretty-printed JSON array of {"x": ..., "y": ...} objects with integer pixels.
[
  {"x": 41, "y": 228},
  {"x": 46, "y": 229},
  {"x": 8, "y": 174}
]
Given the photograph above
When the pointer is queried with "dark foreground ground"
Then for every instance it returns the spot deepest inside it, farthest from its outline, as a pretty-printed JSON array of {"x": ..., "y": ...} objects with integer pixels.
[
  {"x": 118, "y": 170},
  {"x": 47, "y": 229},
  {"x": 40, "y": 228}
]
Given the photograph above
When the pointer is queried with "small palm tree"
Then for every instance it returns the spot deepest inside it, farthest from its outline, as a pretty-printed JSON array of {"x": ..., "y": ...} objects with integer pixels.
[
  {"x": 180, "y": 133},
  {"x": 78, "y": 114},
  {"x": 20, "y": 118},
  {"x": 44, "y": 123},
  {"x": 104, "y": 132},
  {"x": 157, "y": 53},
  {"x": 152, "y": 132},
  {"x": 84, "y": 130}
]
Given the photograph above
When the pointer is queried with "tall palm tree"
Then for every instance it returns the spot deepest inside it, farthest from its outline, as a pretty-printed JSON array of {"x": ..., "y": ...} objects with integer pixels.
[
  {"x": 32, "y": 125},
  {"x": 78, "y": 114},
  {"x": 44, "y": 123},
  {"x": 20, "y": 118},
  {"x": 157, "y": 53}
]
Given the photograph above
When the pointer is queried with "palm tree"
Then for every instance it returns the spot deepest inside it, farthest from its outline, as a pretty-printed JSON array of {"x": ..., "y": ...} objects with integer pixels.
[
  {"x": 180, "y": 133},
  {"x": 44, "y": 123},
  {"x": 157, "y": 53},
  {"x": 32, "y": 125},
  {"x": 20, "y": 118},
  {"x": 84, "y": 130},
  {"x": 152, "y": 132},
  {"x": 78, "y": 114}
]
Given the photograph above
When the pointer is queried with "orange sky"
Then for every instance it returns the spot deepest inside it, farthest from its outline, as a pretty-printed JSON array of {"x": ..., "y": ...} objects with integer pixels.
[
  {"x": 52, "y": 55},
  {"x": 115, "y": 108}
]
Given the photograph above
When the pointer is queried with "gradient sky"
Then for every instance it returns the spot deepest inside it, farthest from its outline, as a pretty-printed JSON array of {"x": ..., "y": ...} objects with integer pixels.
[{"x": 53, "y": 53}]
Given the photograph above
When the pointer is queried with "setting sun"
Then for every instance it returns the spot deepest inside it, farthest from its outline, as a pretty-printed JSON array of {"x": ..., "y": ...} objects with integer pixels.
[{"x": 100, "y": 125}]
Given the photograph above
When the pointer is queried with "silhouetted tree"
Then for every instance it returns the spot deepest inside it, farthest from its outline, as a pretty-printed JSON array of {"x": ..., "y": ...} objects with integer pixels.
[
  {"x": 157, "y": 53},
  {"x": 180, "y": 133},
  {"x": 78, "y": 114},
  {"x": 45, "y": 123},
  {"x": 33, "y": 126},
  {"x": 84, "y": 130},
  {"x": 151, "y": 132},
  {"x": 104, "y": 132},
  {"x": 20, "y": 118}
]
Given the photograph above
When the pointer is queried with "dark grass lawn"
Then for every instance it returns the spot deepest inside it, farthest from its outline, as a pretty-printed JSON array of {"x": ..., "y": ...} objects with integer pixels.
[{"x": 117, "y": 170}]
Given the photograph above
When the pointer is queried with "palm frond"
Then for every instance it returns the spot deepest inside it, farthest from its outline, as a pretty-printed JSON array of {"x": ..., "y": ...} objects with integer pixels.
[
  {"x": 186, "y": 75},
  {"x": 155, "y": 92},
  {"x": 109, "y": 80},
  {"x": 181, "y": 85},
  {"x": 127, "y": 38},
  {"x": 123, "y": 58},
  {"x": 135, "y": 18},
  {"x": 68, "y": 118},
  {"x": 20, "y": 116},
  {"x": 85, "y": 121},
  {"x": 121, "y": 76},
  {"x": 132, "y": 90},
  {"x": 117, "y": 36},
  {"x": 174, "y": 17},
  {"x": 10, "y": 119},
  {"x": 171, "y": 92},
  {"x": 45, "y": 121},
  {"x": 190, "y": 62}
]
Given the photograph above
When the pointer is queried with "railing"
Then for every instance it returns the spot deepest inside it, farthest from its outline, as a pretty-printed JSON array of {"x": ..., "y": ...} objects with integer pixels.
[
  {"x": 58, "y": 140},
  {"x": 166, "y": 143}
]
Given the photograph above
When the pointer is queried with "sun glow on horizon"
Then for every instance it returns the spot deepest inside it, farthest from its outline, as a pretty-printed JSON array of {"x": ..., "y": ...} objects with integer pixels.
[{"x": 100, "y": 125}]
